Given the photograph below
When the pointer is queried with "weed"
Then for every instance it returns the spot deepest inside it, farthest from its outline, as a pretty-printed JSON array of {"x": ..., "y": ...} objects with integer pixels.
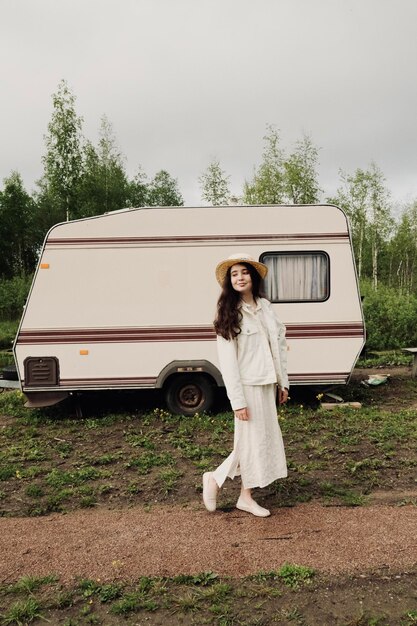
[
  {"x": 29, "y": 584},
  {"x": 88, "y": 502},
  {"x": 294, "y": 575},
  {"x": 134, "y": 489},
  {"x": 203, "y": 579},
  {"x": 294, "y": 615},
  {"x": 110, "y": 592},
  {"x": 12, "y": 403},
  {"x": 54, "y": 501},
  {"x": 103, "y": 489},
  {"x": 92, "y": 619},
  {"x": 22, "y": 612},
  {"x": 133, "y": 601},
  {"x": 216, "y": 592},
  {"x": 263, "y": 576},
  {"x": 34, "y": 491},
  {"x": 88, "y": 587},
  {"x": 351, "y": 498},
  {"x": 32, "y": 472},
  {"x": 150, "y": 459},
  {"x": 105, "y": 593},
  {"x": 346, "y": 496},
  {"x": 8, "y": 472},
  {"x": 169, "y": 478},
  {"x": 106, "y": 459},
  {"x": 57, "y": 478},
  {"x": 140, "y": 441},
  {"x": 189, "y": 601},
  {"x": 65, "y": 599},
  {"x": 410, "y": 617},
  {"x": 64, "y": 449}
]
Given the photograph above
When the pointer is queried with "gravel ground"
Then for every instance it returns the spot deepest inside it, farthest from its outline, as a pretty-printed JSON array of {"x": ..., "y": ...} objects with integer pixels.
[{"x": 165, "y": 541}]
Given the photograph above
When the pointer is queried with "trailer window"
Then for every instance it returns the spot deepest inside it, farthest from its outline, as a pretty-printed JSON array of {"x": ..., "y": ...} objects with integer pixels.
[{"x": 296, "y": 276}]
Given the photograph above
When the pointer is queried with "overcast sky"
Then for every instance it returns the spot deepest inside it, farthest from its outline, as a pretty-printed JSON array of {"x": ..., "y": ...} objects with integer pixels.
[{"x": 186, "y": 81}]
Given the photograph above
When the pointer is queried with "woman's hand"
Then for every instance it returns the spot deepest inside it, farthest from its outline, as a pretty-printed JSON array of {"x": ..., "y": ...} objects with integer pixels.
[
  {"x": 242, "y": 414},
  {"x": 282, "y": 395}
]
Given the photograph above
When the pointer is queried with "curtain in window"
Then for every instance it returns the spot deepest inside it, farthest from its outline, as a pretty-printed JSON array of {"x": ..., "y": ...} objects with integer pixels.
[{"x": 296, "y": 277}]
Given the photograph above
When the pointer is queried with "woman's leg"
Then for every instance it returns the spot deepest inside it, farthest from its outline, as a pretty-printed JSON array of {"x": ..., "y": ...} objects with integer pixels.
[
  {"x": 246, "y": 494},
  {"x": 210, "y": 489},
  {"x": 248, "y": 504}
]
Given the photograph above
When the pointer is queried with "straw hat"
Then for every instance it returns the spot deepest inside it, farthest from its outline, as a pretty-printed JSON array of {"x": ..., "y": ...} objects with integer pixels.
[{"x": 240, "y": 257}]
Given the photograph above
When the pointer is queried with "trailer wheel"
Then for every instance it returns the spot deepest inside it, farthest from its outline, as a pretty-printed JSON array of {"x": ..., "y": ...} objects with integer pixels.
[{"x": 189, "y": 394}]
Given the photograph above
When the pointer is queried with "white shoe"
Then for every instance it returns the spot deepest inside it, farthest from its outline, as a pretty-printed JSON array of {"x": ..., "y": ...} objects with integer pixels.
[
  {"x": 210, "y": 489},
  {"x": 253, "y": 508}
]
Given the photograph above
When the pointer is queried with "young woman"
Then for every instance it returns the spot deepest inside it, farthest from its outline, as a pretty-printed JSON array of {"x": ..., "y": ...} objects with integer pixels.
[{"x": 253, "y": 360}]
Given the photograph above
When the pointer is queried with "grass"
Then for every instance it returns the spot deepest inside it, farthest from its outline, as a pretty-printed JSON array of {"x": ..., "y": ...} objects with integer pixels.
[
  {"x": 22, "y": 612},
  {"x": 387, "y": 358},
  {"x": 52, "y": 461},
  {"x": 286, "y": 596}
]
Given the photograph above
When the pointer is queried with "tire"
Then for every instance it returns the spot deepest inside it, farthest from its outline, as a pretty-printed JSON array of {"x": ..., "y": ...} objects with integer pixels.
[
  {"x": 189, "y": 394},
  {"x": 10, "y": 373}
]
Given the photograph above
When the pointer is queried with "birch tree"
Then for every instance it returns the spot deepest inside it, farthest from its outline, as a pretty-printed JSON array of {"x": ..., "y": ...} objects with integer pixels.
[
  {"x": 268, "y": 183},
  {"x": 214, "y": 183},
  {"x": 301, "y": 176},
  {"x": 63, "y": 162},
  {"x": 366, "y": 201},
  {"x": 163, "y": 190}
]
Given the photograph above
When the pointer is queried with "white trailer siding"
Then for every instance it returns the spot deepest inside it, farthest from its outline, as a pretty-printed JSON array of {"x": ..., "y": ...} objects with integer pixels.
[{"x": 118, "y": 297}]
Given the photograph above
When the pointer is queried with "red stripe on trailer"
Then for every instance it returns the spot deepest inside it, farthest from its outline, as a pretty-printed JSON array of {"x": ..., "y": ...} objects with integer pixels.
[
  {"x": 191, "y": 239},
  {"x": 174, "y": 333}
]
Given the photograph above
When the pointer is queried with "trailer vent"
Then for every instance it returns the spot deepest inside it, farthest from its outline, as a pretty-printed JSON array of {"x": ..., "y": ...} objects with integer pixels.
[{"x": 41, "y": 371}]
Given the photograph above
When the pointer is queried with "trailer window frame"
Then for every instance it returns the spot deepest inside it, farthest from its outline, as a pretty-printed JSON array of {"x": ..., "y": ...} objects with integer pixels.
[{"x": 275, "y": 253}]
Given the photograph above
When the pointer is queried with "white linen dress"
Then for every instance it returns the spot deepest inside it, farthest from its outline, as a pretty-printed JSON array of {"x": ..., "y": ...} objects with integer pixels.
[{"x": 258, "y": 454}]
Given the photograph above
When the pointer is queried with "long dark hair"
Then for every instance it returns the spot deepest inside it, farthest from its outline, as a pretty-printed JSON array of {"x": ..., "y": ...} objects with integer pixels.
[{"x": 228, "y": 318}]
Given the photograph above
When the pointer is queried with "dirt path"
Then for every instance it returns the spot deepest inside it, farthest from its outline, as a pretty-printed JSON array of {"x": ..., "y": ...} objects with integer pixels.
[{"x": 126, "y": 544}]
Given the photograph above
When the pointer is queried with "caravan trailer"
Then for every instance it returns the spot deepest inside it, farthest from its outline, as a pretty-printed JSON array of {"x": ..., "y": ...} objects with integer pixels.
[{"x": 126, "y": 300}]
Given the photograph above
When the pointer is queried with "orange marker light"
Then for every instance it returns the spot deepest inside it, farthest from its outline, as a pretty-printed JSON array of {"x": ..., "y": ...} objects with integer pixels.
[
  {"x": 44, "y": 266},
  {"x": 83, "y": 352}
]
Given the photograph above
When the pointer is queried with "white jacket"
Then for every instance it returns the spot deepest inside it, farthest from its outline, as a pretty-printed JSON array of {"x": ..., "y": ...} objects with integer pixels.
[{"x": 254, "y": 357}]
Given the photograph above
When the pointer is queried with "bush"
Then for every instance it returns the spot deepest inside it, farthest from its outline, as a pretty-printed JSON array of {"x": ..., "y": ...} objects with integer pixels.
[
  {"x": 390, "y": 317},
  {"x": 8, "y": 332},
  {"x": 13, "y": 294}
]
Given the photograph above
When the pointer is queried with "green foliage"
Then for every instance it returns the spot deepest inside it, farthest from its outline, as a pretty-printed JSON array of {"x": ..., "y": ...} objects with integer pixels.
[
  {"x": 390, "y": 317},
  {"x": 366, "y": 200},
  {"x": 401, "y": 258},
  {"x": 214, "y": 184},
  {"x": 63, "y": 160},
  {"x": 163, "y": 191},
  {"x": 22, "y": 612},
  {"x": 103, "y": 185},
  {"x": 13, "y": 294},
  {"x": 294, "y": 575},
  {"x": 301, "y": 176},
  {"x": 18, "y": 244},
  {"x": 58, "y": 478},
  {"x": 12, "y": 403},
  {"x": 203, "y": 579},
  {"x": 8, "y": 331},
  {"x": 29, "y": 584},
  {"x": 387, "y": 358},
  {"x": 281, "y": 178},
  {"x": 268, "y": 183}
]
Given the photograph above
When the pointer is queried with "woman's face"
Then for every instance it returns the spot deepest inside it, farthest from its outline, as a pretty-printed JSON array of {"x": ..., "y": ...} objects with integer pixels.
[{"x": 241, "y": 279}]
